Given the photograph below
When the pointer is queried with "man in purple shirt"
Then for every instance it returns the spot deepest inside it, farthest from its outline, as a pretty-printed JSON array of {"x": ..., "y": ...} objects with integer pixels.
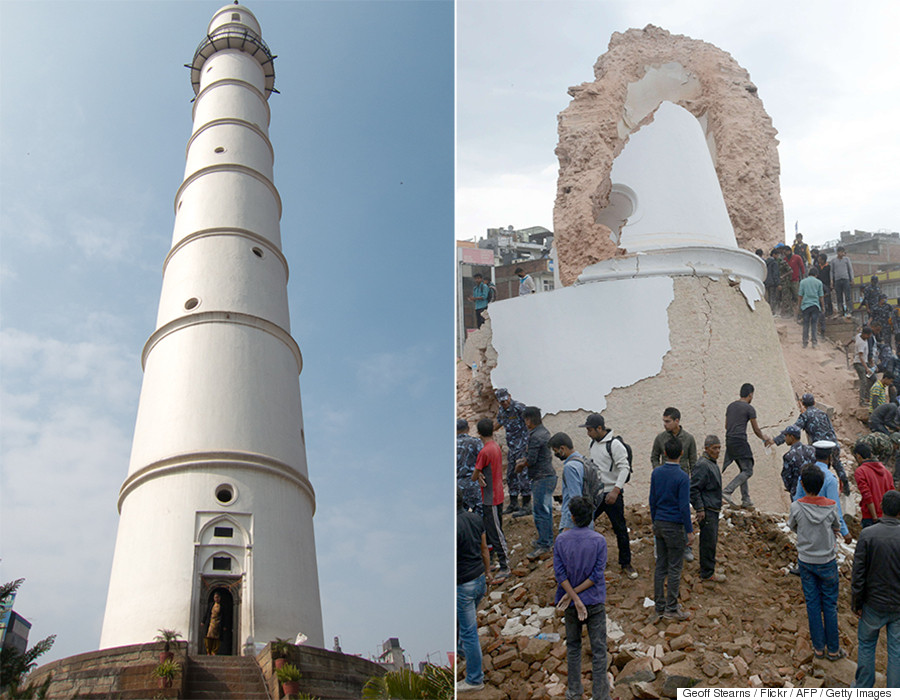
[{"x": 579, "y": 560}]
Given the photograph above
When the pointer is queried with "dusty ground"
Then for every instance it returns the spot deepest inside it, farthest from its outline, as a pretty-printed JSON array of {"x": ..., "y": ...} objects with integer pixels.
[{"x": 750, "y": 630}]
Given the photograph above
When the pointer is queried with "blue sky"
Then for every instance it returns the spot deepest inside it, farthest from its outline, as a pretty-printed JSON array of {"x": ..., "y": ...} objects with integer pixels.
[
  {"x": 95, "y": 114},
  {"x": 825, "y": 70}
]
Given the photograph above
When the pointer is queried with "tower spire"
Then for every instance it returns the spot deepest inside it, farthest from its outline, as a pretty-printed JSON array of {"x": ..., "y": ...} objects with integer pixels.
[{"x": 217, "y": 497}]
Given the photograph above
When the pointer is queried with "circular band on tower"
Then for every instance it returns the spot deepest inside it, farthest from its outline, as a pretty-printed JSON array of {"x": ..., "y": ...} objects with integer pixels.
[
  {"x": 201, "y": 461},
  {"x": 232, "y": 121},
  {"x": 232, "y": 317},
  {"x": 239, "y": 232},
  {"x": 227, "y": 167}
]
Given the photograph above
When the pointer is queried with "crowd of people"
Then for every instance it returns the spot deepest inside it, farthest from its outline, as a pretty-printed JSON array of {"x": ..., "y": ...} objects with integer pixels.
[{"x": 687, "y": 490}]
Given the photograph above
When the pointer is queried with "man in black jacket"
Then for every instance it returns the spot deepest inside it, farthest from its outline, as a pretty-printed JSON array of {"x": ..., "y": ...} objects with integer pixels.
[
  {"x": 706, "y": 497},
  {"x": 538, "y": 460},
  {"x": 875, "y": 595}
]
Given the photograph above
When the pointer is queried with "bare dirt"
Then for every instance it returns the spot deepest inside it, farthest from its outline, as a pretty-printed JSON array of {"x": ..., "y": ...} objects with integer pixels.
[{"x": 750, "y": 630}]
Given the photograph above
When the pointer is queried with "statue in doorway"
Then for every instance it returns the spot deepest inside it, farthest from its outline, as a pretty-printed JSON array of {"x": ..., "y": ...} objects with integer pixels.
[{"x": 213, "y": 624}]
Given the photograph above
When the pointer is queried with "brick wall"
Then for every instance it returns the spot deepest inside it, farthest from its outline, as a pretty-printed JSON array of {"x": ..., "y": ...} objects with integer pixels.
[
  {"x": 121, "y": 673},
  {"x": 326, "y": 674}
]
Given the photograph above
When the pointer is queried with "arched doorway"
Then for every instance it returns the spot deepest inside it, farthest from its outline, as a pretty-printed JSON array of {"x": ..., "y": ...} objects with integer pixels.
[{"x": 229, "y": 600}]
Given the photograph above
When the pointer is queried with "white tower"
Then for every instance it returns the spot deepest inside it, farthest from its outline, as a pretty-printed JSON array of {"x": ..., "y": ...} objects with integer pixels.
[{"x": 217, "y": 496}]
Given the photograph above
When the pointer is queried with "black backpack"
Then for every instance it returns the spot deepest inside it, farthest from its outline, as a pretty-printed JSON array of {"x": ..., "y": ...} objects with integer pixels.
[
  {"x": 492, "y": 292},
  {"x": 627, "y": 450}
]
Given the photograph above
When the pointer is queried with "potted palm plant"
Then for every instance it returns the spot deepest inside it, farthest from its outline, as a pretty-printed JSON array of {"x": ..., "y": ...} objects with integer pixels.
[
  {"x": 281, "y": 648},
  {"x": 166, "y": 671},
  {"x": 289, "y": 676},
  {"x": 167, "y": 637}
]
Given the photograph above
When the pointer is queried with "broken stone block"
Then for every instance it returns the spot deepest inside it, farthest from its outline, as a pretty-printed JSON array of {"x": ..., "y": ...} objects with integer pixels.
[
  {"x": 644, "y": 690},
  {"x": 648, "y": 631},
  {"x": 681, "y": 642},
  {"x": 681, "y": 675},
  {"x": 673, "y": 657},
  {"x": 536, "y": 650},
  {"x": 676, "y": 629},
  {"x": 756, "y": 681},
  {"x": 639, "y": 669},
  {"x": 742, "y": 668},
  {"x": 518, "y": 666},
  {"x": 505, "y": 658}
]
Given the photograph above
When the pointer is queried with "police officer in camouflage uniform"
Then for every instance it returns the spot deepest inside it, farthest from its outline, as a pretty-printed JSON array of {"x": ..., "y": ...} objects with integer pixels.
[
  {"x": 818, "y": 427},
  {"x": 467, "y": 448},
  {"x": 510, "y": 418},
  {"x": 797, "y": 457},
  {"x": 880, "y": 315},
  {"x": 882, "y": 446},
  {"x": 870, "y": 294}
]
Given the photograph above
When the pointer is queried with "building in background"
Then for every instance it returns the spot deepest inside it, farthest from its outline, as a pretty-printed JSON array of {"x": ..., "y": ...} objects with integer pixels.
[
  {"x": 872, "y": 253},
  {"x": 391, "y": 656},
  {"x": 496, "y": 257}
]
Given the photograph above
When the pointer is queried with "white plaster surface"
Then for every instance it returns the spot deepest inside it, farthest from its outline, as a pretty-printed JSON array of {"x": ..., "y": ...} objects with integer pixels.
[
  {"x": 220, "y": 401},
  {"x": 556, "y": 350},
  {"x": 737, "y": 265},
  {"x": 679, "y": 200}
]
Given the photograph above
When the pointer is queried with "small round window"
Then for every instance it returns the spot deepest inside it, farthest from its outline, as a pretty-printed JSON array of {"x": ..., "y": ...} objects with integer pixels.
[
  {"x": 192, "y": 303},
  {"x": 225, "y": 494},
  {"x": 258, "y": 252},
  {"x": 220, "y": 149}
]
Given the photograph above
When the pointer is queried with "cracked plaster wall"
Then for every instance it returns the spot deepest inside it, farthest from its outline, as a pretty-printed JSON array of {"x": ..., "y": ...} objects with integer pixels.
[
  {"x": 701, "y": 368},
  {"x": 701, "y": 374},
  {"x": 641, "y": 68}
]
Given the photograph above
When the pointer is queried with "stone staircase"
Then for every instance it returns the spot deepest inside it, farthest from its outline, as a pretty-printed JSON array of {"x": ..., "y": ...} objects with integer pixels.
[{"x": 224, "y": 677}]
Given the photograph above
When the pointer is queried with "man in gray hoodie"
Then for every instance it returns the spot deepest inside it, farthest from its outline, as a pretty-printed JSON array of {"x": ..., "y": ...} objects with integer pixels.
[{"x": 816, "y": 522}]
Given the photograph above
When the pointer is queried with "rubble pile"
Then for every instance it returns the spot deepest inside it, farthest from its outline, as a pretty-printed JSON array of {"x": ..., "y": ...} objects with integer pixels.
[{"x": 750, "y": 631}]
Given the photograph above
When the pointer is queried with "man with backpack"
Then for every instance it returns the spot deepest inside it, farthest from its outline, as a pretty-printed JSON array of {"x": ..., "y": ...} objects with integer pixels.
[
  {"x": 579, "y": 477},
  {"x": 613, "y": 459}
]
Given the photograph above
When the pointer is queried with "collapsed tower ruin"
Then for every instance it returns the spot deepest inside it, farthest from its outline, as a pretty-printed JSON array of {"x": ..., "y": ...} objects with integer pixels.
[{"x": 668, "y": 174}]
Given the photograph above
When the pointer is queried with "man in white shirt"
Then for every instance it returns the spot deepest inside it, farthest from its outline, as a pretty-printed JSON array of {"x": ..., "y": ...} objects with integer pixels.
[
  {"x": 611, "y": 458},
  {"x": 864, "y": 371},
  {"x": 526, "y": 284}
]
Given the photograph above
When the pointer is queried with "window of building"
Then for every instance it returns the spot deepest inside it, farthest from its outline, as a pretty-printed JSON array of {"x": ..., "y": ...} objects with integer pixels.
[
  {"x": 548, "y": 285},
  {"x": 235, "y": 17},
  {"x": 221, "y": 563},
  {"x": 223, "y": 532}
]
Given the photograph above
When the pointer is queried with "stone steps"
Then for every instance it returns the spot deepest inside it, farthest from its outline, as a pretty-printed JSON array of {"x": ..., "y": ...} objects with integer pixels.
[{"x": 224, "y": 677}]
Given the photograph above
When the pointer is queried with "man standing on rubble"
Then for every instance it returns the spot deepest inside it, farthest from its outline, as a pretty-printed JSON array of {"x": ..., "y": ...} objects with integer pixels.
[
  {"x": 875, "y": 595},
  {"x": 539, "y": 462},
  {"x": 737, "y": 447},
  {"x": 841, "y": 278},
  {"x": 611, "y": 457},
  {"x": 511, "y": 417}
]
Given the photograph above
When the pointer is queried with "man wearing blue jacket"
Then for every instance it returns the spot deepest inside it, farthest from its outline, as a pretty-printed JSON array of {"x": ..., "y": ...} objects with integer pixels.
[{"x": 670, "y": 510}]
